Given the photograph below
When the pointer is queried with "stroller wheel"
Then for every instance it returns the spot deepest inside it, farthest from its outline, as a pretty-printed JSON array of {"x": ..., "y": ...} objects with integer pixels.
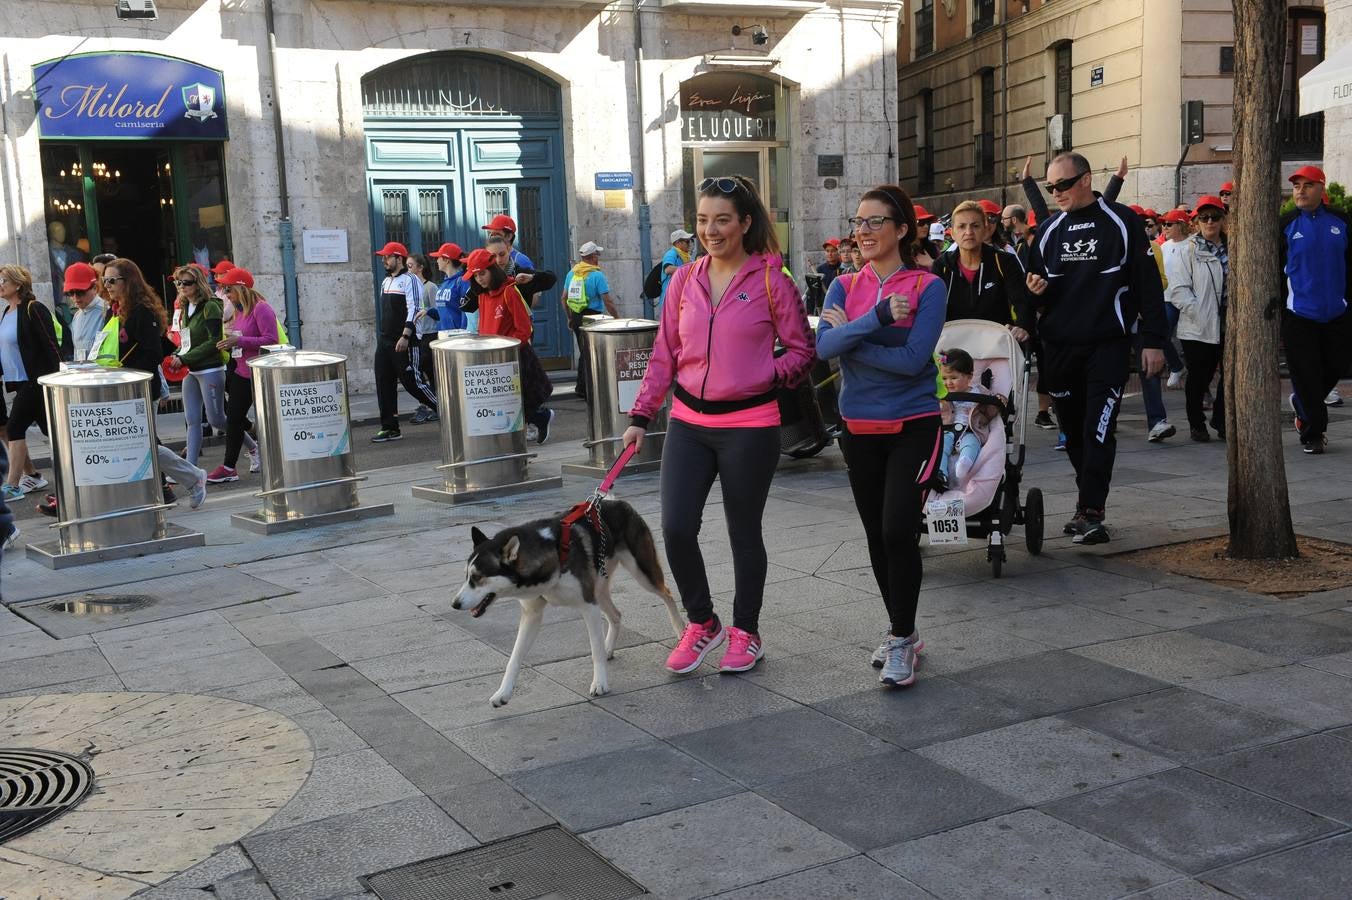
[{"x": 1033, "y": 521}]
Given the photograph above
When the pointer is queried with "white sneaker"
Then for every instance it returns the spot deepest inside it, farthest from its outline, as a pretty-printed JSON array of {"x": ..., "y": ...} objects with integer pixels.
[
  {"x": 1334, "y": 398},
  {"x": 1161, "y": 431},
  {"x": 199, "y": 492},
  {"x": 30, "y": 483},
  {"x": 33, "y": 483},
  {"x": 255, "y": 463},
  {"x": 1175, "y": 381},
  {"x": 13, "y": 536},
  {"x": 169, "y": 479}
]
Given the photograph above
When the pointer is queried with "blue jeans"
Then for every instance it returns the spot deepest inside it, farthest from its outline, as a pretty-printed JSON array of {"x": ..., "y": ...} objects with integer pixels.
[
  {"x": 1152, "y": 392},
  {"x": 203, "y": 389},
  {"x": 1172, "y": 359}
]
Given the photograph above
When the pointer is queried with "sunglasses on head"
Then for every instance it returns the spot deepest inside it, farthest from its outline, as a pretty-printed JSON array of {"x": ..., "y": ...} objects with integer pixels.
[
  {"x": 724, "y": 185},
  {"x": 1065, "y": 184}
]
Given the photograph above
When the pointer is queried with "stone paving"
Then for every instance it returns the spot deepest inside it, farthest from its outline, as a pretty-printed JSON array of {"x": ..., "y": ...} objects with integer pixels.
[{"x": 1081, "y": 728}]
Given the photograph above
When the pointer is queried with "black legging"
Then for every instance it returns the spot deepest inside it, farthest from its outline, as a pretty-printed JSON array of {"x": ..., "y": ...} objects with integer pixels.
[
  {"x": 1203, "y": 360},
  {"x": 887, "y": 476},
  {"x": 743, "y": 460},
  {"x": 238, "y": 402}
]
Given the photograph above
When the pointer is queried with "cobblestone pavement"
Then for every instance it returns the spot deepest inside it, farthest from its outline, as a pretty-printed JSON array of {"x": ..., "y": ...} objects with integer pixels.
[{"x": 1081, "y": 728}]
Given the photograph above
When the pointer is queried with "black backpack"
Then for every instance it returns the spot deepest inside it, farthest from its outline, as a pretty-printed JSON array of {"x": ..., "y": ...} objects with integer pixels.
[{"x": 652, "y": 285}]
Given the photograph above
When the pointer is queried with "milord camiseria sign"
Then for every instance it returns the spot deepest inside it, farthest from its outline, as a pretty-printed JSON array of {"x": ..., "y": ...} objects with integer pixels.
[{"x": 124, "y": 96}]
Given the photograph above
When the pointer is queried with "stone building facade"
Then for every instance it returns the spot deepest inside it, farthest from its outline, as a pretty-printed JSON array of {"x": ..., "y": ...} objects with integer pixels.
[
  {"x": 419, "y": 121},
  {"x": 986, "y": 83}
]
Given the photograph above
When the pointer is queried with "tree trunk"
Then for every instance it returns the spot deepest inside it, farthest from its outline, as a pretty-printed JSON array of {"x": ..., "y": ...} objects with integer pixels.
[{"x": 1259, "y": 508}]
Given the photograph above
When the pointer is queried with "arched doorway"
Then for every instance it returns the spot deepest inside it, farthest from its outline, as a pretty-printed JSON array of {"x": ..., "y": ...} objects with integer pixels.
[{"x": 455, "y": 138}]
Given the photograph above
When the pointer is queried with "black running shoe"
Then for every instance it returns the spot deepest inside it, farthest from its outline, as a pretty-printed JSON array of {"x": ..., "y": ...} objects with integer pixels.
[
  {"x": 1095, "y": 532},
  {"x": 1044, "y": 420}
]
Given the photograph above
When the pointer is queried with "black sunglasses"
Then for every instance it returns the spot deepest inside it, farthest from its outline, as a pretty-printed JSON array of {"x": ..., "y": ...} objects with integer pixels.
[
  {"x": 1210, "y": 217},
  {"x": 724, "y": 185},
  {"x": 184, "y": 283},
  {"x": 113, "y": 279},
  {"x": 1064, "y": 184}
]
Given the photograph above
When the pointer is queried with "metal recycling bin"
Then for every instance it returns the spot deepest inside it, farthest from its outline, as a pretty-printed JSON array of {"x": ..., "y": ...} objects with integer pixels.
[
  {"x": 483, "y": 423},
  {"x": 309, "y": 473},
  {"x": 618, "y": 351},
  {"x": 110, "y": 504}
]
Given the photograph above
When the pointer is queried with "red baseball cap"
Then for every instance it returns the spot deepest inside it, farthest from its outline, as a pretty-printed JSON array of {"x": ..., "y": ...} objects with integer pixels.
[
  {"x": 831, "y": 242},
  {"x": 501, "y": 223},
  {"x": 447, "y": 251},
  {"x": 221, "y": 267},
  {"x": 923, "y": 215},
  {"x": 1173, "y": 216},
  {"x": 1309, "y": 173},
  {"x": 1139, "y": 210},
  {"x": 80, "y": 276},
  {"x": 990, "y": 207},
  {"x": 477, "y": 261},
  {"x": 1151, "y": 214},
  {"x": 1227, "y": 188},
  {"x": 1207, "y": 200},
  {"x": 236, "y": 275},
  {"x": 393, "y": 248}
]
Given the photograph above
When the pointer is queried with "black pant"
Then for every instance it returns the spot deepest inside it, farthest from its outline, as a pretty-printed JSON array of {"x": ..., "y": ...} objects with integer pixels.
[
  {"x": 238, "y": 402},
  {"x": 1317, "y": 355},
  {"x": 887, "y": 476},
  {"x": 743, "y": 460},
  {"x": 1204, "y": 361},
  {"x": 575, "y": 325},
  {"x": 413, "y": 376},
  {"x": 426, "y": 361},
  {"x": 1086, "y": 382},
  {"x": 388, "y": 368}
]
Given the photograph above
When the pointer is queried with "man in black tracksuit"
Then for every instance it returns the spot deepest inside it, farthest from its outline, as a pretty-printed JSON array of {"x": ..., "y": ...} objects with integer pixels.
[
  {"x": 1093, "y": 273},
  {"x": 399, "y": 296}
]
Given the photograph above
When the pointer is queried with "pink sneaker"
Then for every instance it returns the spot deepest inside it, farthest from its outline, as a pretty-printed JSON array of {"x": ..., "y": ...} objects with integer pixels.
[
  {"x": 744, "y": 651},
  {"x": 222, "y": 474},
  {"x": 696, "y": 642}
]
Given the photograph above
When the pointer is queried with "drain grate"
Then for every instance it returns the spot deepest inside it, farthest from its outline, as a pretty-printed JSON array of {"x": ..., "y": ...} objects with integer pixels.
[
  {"x": 547, "y": 863},
  {"x": 36, "y": 786},
  {"x": 102, "y": 604}
]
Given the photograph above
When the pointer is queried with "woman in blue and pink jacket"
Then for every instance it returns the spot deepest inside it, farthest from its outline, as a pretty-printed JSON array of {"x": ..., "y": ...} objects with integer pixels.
[
  {"x": 883, "y": 324},
  {"x": 715, "y": 349}
]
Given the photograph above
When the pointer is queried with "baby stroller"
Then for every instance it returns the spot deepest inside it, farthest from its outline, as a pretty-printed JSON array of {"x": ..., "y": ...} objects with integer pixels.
[{"x": 991, "y": 490}]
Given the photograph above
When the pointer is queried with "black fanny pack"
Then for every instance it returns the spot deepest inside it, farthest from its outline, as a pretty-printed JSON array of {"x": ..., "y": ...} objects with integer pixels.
[{"x": 721, "y": 407}]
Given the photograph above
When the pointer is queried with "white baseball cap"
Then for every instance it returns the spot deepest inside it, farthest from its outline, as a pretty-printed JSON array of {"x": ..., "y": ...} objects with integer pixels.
[
  {"x": 680, "y": 235},
  {"x": 936, "y": 232},
  {"x": 589, "y": 248}
]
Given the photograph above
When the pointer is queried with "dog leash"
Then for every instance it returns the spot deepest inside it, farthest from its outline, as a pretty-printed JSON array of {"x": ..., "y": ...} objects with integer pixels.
[{"x": 590, "y": 509}]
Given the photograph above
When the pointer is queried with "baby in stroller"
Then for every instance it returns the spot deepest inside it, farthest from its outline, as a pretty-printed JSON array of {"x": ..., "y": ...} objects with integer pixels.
[{"x": 966, "y": 421}]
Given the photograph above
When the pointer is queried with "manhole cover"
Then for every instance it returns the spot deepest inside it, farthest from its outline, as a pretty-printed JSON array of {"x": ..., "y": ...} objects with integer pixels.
[
  {"x": 36, "y": 786},
  {"x": 102, "y": 604},
  {"x": 547, "y": 863}
]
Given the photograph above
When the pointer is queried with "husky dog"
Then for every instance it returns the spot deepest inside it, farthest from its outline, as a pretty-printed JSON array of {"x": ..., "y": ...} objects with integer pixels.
[{"x": 524, "y": 562}]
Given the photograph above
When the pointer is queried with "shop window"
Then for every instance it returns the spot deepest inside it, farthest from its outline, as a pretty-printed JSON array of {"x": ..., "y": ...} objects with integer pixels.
[
  {"x": 1301, "y": 137},
  {"x": 68, "y": 238},
  {"x": 204, "y": 206}
]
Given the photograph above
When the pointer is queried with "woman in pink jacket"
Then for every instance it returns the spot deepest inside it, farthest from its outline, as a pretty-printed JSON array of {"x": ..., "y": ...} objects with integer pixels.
[
  {"x": 253, "y": 326},
  {"x": 715, "y": 350}
]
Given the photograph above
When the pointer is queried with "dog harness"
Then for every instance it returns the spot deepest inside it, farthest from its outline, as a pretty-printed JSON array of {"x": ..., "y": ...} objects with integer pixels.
[{"x": 590, "y": 510}]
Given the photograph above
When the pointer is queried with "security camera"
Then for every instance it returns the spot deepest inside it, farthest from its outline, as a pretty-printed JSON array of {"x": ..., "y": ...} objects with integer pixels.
[
  {"x": 137, "y": 9},
  {"x": 759, "y": 36}
]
